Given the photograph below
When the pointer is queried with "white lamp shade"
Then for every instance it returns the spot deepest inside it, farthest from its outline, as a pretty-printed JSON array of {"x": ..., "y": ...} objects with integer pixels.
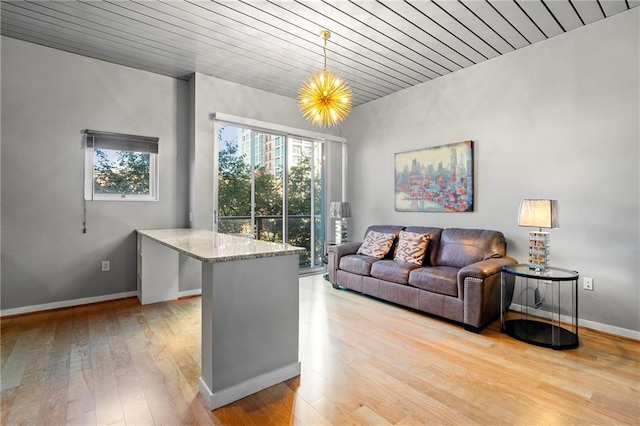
[
  {"x": 339, "y": 210},
  {"x": 539, "y": 213}
]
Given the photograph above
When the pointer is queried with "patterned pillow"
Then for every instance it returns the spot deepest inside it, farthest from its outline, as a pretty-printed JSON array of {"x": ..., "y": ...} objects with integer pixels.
[
  {"x": 376, "y": 244},
  {"x": 411, "y": 247}
]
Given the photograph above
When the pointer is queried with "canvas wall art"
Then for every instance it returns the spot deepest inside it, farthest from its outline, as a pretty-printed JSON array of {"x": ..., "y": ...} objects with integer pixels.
[{"x": 437, "y": 179}]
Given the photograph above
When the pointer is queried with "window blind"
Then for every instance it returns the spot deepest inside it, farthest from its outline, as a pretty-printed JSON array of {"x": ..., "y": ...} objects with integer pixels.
[{"x": 121, "y": 142}]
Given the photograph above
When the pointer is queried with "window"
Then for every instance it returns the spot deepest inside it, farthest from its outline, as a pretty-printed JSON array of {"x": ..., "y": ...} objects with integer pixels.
[
  {"x": 120, "y": 167},
  {"x": 277, "y": 201},
  {"x": 286, "y": 203}
]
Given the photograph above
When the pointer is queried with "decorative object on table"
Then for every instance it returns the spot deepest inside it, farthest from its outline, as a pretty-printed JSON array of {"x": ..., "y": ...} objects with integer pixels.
[
  {"x": 324, "y": 98},
  {"x": 340, "y": 211},
  {"x": 437, "y": 179},
  {"x": 539, "y": 214}
]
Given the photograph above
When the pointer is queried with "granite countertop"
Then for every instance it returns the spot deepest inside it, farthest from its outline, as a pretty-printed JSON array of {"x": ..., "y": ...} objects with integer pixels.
[{"x": 208, "y": 246}]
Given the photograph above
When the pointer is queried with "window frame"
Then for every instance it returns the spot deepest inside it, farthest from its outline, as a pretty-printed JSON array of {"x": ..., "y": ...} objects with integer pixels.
[{"x": 120, "y": 142}]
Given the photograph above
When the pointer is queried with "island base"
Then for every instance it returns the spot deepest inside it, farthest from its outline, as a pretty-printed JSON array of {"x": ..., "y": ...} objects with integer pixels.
[{"x": 249, "y": 326}]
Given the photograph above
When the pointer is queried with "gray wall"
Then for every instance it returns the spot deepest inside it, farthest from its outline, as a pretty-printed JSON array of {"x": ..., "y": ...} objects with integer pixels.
[
  {"x": 48, "y": 98},
  {"x": 558, "y": 119}
]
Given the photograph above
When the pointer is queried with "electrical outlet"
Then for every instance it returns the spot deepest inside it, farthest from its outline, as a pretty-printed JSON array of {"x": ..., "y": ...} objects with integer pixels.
[
  {"x": 106, "y": 265},
  {"x": 587, "y": 283}
]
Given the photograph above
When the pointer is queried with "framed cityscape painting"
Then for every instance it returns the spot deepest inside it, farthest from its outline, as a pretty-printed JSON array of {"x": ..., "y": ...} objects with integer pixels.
[{"x": 437, "y": 179}]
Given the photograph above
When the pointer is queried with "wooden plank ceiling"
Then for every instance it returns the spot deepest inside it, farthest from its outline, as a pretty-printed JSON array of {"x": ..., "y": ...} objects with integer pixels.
[{"x": 379, "y": 47}]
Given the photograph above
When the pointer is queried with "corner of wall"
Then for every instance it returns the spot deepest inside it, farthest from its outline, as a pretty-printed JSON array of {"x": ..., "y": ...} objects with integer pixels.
[{"x": 192, "y": 144}]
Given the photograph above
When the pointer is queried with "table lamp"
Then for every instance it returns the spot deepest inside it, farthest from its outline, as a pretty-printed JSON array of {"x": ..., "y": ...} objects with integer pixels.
[
  {"x": 539, "y": 214},
  {"x": 340, "y": 211}
]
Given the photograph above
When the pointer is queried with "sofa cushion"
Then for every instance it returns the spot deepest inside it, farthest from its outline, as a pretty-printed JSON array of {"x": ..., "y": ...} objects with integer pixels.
[
  {"x": 387, "y": 229},
  {"x": 392, "y": 270},
  {"x": 411, "y": 247},
  {"x": 437, "y": 279},
  {"x": 357, "y": 264},
  {"x": 376, "y": 244},
  {"x": 462, "y": 247},
  {"x": 434, "y": 241}
]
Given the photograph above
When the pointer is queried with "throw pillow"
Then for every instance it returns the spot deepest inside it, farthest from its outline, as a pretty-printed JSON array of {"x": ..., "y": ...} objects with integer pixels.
[
  {"x": 412, "y": 247},
  {"x": 376, "y": 244}
]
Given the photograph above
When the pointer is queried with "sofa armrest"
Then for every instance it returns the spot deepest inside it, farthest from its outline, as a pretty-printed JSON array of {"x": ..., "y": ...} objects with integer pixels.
[
  {"x": 484, "y": 268},
  {"x": 479, "y": 287},
  {"x": 334, "y": 253}
]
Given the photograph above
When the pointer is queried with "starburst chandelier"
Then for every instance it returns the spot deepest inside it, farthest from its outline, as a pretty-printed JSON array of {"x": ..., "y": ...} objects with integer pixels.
[{"x": 324, "y": 98}]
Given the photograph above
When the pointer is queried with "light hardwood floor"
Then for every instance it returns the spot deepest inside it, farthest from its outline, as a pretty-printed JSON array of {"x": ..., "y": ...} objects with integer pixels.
[{"x": 363, "y": 362}]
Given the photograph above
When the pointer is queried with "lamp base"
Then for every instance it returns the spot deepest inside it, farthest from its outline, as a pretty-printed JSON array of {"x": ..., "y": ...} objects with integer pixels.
[
  {"x": 539, "y": 249},
  {"x": 341, "y": 231}
]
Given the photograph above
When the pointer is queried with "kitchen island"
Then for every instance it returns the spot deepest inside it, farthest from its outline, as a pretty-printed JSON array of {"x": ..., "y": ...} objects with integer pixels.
[{"x": 249, "y": 305}]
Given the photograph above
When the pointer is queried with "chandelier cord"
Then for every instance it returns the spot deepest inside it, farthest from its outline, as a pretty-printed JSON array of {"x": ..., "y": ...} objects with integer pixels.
[{"x": 324, "y": 49}]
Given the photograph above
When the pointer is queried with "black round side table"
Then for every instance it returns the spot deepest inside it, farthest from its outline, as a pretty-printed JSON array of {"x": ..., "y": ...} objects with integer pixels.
[{"x": 543, "y": 308}]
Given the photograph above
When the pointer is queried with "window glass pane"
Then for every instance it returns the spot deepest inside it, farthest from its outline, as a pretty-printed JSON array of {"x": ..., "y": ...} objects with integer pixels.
[
  {"x": 234, "y": 181},
  {"x": 121, "y": 172},
  {"x": 305, "y": 199},
  {"x": 318, "y": 182},
  {"x": 267, "y": 191}
]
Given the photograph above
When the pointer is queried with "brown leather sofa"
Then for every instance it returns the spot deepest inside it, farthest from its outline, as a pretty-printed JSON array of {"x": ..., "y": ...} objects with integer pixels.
[{"x": 459, "y": 278}]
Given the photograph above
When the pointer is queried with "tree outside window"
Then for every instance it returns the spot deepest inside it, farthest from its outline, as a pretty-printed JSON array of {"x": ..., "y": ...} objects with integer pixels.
[{"x": 121, "y": 172}]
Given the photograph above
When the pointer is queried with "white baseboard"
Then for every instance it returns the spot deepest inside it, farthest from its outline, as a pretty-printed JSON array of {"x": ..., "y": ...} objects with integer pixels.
[
  {"x": 190, "y": 293},
  {"x": 66, "y": 303},
  {"x": 611, "y": 329},
  {"x": 605, "y": 328},
  {"x": 83, "y": 301},
  {"x": 248, "y": 387}
]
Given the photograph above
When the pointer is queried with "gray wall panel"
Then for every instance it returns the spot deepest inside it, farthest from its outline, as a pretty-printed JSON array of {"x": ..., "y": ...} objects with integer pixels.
[{"x": 48, "y": 99}]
